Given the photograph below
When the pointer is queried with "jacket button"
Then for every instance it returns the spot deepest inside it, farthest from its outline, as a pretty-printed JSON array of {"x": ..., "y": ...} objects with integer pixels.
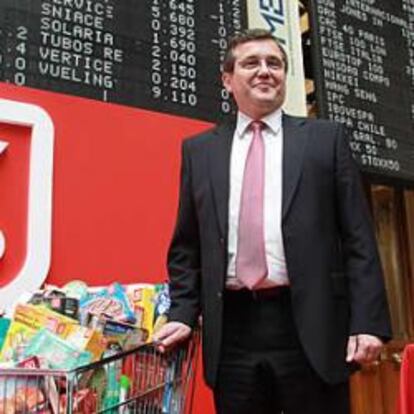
[
  {"x": 219, "y": 295},
  {"x": 221, "y": 240}
]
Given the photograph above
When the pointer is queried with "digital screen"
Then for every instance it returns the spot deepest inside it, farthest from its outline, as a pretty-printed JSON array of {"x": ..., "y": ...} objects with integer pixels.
[
  {"x": 363, "y": 63},
  {"x": 162, "y": 55}
]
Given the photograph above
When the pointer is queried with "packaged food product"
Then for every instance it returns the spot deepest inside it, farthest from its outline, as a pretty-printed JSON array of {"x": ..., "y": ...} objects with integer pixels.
[
  {"x": 39, "y": 316},
  {"x": 87, "y": 339},
  {"x": 27, "y": 320},
  {"x": 113, "y": 375},
  {"x": 162, "y": 306},
  {"x": 97, "y": 382},
  {"x": 125, "y": 335},
  {"x": 124, "y": 386},
  {"x": 47, "y": 384},
  {"x": 18, "y": 335},
  {"x": 111, "y": 302},
  {"x": 4, "y": 327},
  {"x": 76, "y": 289},
  {"x": 20, "y": 395},
  {"x": 84, "y": 402},
  {"x": 142, "y": 298},
  {"x": 58, "y": 353},
  {"x": 58, "y": 302}
]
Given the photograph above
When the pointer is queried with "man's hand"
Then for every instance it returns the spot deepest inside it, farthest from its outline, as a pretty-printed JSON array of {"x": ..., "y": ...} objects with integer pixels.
[
  {"x": 363, "y": 348},
  {"x": 171, "y": 334}
]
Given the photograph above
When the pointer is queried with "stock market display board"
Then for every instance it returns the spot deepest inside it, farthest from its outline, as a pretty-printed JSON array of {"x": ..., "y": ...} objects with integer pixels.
[
  {"x": 165, "y": 55},
  {"x": 162, "y": 55},
  {"x": 364, "y": 71}
]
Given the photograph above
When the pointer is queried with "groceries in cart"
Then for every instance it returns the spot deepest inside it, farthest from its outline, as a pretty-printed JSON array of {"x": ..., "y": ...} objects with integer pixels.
[
  {"x": 83, "y": 350},
  {"x": 76, "y": 325}
]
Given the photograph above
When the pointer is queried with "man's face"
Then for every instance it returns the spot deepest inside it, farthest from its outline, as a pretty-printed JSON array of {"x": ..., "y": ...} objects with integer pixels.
[{"x": 258, "y": 81}]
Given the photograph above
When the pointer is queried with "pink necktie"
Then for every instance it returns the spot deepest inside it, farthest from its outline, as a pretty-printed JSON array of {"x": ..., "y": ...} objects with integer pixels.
[{"x": 251, "y": 267}]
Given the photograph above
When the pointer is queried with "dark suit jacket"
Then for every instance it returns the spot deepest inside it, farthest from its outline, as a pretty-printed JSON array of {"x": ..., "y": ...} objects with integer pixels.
[{"x": 335, "y": 274}]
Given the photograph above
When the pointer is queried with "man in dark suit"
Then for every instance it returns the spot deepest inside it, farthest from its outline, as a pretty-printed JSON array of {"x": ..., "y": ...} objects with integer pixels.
[{"x": 274, "y": 247}]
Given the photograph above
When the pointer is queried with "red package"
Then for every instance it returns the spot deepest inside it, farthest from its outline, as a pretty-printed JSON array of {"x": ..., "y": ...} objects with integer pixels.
[{"x": 84, "y": 401}]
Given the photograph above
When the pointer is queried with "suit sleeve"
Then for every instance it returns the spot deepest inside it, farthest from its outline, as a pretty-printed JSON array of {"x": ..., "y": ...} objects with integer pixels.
[
  {"x": 184, "y": 253},
  {"x": 368, "y": 302}
]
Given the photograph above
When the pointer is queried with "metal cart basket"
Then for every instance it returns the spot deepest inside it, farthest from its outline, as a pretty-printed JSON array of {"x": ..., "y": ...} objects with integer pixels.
[{"x": 141, "y": 380}]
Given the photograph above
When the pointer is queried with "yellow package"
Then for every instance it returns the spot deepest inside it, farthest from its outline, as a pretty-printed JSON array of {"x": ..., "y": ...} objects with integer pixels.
[
  {"x": 17, "y": 336},
  {"x": 38, "y": 316},
  {"x": 87, "y": 339},
  {"x": 142, "y": 298}
]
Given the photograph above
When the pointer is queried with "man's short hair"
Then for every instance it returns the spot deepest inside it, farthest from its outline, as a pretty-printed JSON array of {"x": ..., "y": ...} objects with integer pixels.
[{"x": 248, "y": 36}]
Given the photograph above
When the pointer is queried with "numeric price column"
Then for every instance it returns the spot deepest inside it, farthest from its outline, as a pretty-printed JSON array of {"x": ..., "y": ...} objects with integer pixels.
[
  {"x": 157, "y": 56},
  {"x": 14, "y": 56},
  {"x": 182, "y": 56}
]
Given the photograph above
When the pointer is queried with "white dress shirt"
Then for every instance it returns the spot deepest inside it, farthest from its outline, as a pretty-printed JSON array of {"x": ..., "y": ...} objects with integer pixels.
[{"x": 273, "y": 143}]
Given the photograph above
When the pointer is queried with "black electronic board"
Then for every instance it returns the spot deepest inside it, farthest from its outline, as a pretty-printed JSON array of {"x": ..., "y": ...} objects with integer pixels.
[
  {"x": 364, "y": 71},
  {"x": 162, "y": 55}
]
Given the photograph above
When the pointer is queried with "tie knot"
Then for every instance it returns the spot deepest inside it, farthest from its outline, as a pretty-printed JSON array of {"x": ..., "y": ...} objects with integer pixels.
[{"x": 257, "y": 126}]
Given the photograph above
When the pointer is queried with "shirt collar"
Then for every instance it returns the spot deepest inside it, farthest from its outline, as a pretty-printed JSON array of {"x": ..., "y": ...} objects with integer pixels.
[{"x": 273, "y": 122}]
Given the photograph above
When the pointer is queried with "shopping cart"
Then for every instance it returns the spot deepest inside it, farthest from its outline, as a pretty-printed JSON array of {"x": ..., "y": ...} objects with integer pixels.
[{"x": 141, "y": 380}]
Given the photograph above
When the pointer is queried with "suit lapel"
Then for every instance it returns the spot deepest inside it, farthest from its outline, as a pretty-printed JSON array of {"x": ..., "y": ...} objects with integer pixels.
[
  {"x": 219, "y": 169},
  {"x": 294, "y": 142}
]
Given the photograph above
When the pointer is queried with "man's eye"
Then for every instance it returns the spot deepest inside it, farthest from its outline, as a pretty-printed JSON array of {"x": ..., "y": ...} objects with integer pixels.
[
  {"x": 276, "y": 64},
  {"x": 250, "y": 63}
]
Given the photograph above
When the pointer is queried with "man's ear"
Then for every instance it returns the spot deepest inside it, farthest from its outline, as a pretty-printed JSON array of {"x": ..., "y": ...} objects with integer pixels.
[{"x": 226, "y": 79}]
